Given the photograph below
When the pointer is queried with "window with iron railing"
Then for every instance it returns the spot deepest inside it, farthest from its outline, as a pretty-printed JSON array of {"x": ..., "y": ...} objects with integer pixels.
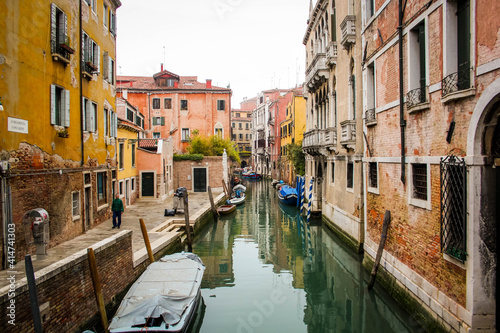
[
  {"x": 372, "y": 175},
  {"x": 419, "y": 179}
]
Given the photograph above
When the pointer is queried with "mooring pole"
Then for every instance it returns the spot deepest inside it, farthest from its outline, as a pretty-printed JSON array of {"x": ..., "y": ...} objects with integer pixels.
[
  {"x": 214, "y": 209},
  {"x": 387, "y": 220},
  {"x": 97, "y": 288},
  {"x": 35, "y": 308},
  {"x": 186, "y": 217},
  {"x": 146, "y": 240}
]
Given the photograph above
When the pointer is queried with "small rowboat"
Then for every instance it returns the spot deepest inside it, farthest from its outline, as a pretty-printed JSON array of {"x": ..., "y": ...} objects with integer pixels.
[
  {"x": 287, "y": 195},
  {"x": 237, "y": 201},
  {"x": 226, "y": 209}
]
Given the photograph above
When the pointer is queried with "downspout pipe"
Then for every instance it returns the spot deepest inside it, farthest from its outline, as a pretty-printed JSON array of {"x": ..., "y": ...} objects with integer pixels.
[
  {"x": 81, "y": 89},
  {"x": 402, "y": 121}
]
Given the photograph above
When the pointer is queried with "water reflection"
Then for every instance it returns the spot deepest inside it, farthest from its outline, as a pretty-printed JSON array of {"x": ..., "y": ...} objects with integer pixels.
[{"x": 269, "y": 271}]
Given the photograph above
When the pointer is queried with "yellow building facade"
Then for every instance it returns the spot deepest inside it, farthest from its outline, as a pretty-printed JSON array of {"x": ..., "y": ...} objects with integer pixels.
[
  {"x": 58, "y": 120},
  {"x": 292, "y": 132}
]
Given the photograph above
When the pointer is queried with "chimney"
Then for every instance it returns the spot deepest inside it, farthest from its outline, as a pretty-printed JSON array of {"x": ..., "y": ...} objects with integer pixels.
[
  {"x": 161, "y": 67},
  {"x": 176, "y": 84},
  {"x": 209, "y": 83}
]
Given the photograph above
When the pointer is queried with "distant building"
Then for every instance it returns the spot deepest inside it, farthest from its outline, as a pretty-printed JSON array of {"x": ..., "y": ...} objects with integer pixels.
[
  {"x": 174, "y": 106},
  {"x": 241, "y": 129},
  {"x": 292, "y": 130},
  {"x": 58, "y": 122}
]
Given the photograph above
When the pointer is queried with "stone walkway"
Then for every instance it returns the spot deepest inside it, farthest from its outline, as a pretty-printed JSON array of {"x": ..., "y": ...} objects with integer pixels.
[{"x": 151, "y": 211}]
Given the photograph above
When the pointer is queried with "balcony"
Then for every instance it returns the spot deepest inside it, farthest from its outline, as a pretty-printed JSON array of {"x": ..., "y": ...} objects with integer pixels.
[
  {"x": 61, "y": 52},
  {"x": 331, "y": 138},
  {"x": 370, "y": 117},
  {"x": 348, "y": 28},
  {"x": 348, "y": 134},
  {"x": 88, "y": 69},
  {"x": 457, "y": 85},
  {"x": 317, "y": 72},
  {"x": 417, "y": 99},
  {"x": 260, "y": 151},
  {"x": 331, "y": 54},
  {"x": 319, "y": 141}
]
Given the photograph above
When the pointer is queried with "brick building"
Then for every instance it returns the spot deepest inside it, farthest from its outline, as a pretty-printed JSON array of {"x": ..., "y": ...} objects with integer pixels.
[
  {"x": 432, "y": 152},
  {"x": 174, "y": 106},
  {"x": 58, "y": 122},
  {"x": 241, "y": 126}
]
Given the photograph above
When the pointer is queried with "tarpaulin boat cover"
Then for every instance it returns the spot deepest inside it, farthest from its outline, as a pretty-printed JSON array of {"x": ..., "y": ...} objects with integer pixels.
[{"x": 165, "y": 289}]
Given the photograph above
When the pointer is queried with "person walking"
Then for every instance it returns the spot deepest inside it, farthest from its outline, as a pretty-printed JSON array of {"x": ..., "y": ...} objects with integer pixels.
[{"x": 117, "y": 208}]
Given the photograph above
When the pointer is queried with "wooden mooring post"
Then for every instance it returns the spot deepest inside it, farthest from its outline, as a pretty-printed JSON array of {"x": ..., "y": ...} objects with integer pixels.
[
  {"x": 387, "y": 220},
  {"x": 214, "y": 209},
  {"x": 35, "y": 309},
  {"x": 186, "y": 218},
  {"x": 97, "y": 288},
  {"x": 146, "y": 241}
]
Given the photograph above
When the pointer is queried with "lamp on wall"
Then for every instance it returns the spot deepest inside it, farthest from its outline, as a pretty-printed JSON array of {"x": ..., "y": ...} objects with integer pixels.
[{"x": 1, "y": 106}]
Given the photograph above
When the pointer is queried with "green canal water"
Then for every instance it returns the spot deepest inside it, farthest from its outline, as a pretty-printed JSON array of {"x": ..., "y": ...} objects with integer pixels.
[{"x": 268, "y": 271}]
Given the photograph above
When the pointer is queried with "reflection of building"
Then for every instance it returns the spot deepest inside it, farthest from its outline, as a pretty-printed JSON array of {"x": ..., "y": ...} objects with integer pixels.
[
  {"x": 58, "y": 121},
  {"x": 174, "y": 106},
  {"x": 216, "y": 252}
]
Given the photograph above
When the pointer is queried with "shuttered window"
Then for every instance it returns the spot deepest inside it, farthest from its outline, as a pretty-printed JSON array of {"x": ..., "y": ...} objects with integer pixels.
[
  {"x": 59, "y": 106},
  {"x": 112, "y": 23},
  {"x": 156, "y": 103},
  {"x": 105, "y": 118},
  {"x": 221, "y": 105},
  {"x": 58, "y": 29}
]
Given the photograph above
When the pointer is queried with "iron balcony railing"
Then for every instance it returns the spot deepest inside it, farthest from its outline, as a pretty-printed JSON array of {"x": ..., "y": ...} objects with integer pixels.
[
  {"x": 456, "y": 81},
  {"x": 416, "y": 96},
  {"x": 370, "y": 117},
  {"x": 60, "y": 50}
]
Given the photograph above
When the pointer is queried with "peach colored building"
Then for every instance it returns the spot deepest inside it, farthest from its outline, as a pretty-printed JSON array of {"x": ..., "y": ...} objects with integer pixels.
[{"x": 174, "y": 106}]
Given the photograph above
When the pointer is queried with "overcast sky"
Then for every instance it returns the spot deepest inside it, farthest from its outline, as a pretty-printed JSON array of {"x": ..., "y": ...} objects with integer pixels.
[{"x": 253, "y": 45}]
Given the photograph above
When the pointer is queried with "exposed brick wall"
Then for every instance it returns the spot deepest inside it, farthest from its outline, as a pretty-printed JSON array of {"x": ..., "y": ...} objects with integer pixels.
[
  {"x": 71, "y": 294},
  {"x": 183, "y": 169}
]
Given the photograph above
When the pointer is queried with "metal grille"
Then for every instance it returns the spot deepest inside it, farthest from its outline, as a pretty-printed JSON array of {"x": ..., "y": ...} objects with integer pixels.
[
  {"x": 373, "y": 174},
  {"x": 456, "y": 82},
  {"x": 453, "y": 207},
  {"x": 415, "y": 97},
  {"x": 420, "y": 181}
]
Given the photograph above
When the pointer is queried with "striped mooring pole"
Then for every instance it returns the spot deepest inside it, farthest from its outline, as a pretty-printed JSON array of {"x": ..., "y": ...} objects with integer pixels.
[
  {"x": 310, "y": 200},
  {"x": 303, "y": 193}
]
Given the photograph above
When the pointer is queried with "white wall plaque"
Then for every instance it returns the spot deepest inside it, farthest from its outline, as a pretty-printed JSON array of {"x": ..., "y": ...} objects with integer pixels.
[{"x": 17, "y": 125}]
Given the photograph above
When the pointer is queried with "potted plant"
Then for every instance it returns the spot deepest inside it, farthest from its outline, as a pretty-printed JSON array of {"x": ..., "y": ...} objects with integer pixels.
[
  {"x": 65, "y": 46},
  {"x": 63, "y": 133}
]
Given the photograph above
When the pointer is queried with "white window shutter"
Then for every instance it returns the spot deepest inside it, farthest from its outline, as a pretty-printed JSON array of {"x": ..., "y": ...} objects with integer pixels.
[
  {"x": 66, "y": 108},
  {"x": 84, "y": 115},
  {"x": 52, "y": 104},
  {"x": 63, "y": 26},
  {"x": 115, "y": 124},
  {"x": 98, "y": 63},
  {"x": 110, "y": 70},
  {"x": 83, "y": 47},
  {"x": 88, "y": 120}
]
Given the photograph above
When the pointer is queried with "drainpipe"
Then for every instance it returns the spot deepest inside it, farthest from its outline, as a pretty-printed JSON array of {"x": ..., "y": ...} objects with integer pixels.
[
  {"x": 81, "y": 89},
  {"x": 402, "y": 121}
]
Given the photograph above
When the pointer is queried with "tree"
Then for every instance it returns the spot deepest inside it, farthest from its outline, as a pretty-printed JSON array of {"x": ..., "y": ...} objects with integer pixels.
[
  {"x": 297, "y": 157},
  {"x": 212, "y": 146}
]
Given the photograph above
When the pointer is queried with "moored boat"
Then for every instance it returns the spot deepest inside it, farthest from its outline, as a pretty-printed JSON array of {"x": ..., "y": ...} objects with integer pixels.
[
  {"x": 240, "y": 187},
  {"x": 252, "y": 175},
  {"x": 164, "y": 298},
  {"x": 237, "y": 200},
  {"x": 226, "y": 209},
  {"x": 288, "y": 195}
]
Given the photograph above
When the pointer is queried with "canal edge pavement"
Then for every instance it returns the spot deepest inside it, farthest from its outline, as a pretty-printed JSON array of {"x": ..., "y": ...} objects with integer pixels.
[{"x": 64, "y": 285}]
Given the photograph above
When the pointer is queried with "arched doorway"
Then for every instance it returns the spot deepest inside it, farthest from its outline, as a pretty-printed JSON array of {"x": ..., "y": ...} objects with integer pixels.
[
  {"x": 483, "y": 159},
  {"x": 243, "y": 164}
]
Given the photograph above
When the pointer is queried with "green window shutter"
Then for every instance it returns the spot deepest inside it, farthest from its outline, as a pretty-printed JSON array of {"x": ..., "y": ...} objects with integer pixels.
[
  {"x": 53, "y": 27},
  {"x": 105, "y": 65},
  {"x": 66, "y": 108},
  {"x": 52, "y": 104},
  {"x": 115, "y": 124},
  {"x": 162, "y": 121},
  {"x": 154, "y": 121}
]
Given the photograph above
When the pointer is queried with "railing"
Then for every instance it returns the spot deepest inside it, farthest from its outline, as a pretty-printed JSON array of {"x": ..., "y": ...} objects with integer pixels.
[
  {"x": 348, "y": 28},
  {"x": 416, "y": 96},
  {"x": 456, "y": 81},
  {"x": 313, "y": 138},
  {"x": 318, "y": 64},
  {"x": 331, "y": 54},
  {"x": 370, "y": 117},
  {"x": 88, "y": 67},
  {"x": 348, "y": 132},
  {"x": 59, "y": 50}
]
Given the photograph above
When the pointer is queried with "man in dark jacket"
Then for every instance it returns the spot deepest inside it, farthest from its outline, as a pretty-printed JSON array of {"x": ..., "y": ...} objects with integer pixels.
[{"x": 117, "y": 208}]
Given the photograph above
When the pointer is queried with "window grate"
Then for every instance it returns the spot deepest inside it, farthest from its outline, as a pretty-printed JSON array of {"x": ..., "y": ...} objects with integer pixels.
[
  {"x": 350, "y": 175},
  {"x": 453, "y": 207},
  {"x": 373, "y": 174},
  {"x": 420, "y": 181}
]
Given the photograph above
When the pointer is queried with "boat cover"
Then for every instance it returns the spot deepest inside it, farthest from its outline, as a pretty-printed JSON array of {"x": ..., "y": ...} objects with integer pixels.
[{"x": 165, "y": 289}]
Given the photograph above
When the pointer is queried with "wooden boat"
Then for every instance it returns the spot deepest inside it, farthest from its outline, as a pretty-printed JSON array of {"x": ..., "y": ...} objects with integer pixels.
[
  {"x": 164, "y": 298},
  {"x": 237, "y": 200},
  {"x": 288, "y": 195},
  {"x": 226, "y": 209},
  {"x": 252, "y": 175}
]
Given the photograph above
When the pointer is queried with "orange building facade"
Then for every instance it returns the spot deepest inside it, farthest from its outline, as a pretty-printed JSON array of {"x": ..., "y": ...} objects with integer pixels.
[{"x": 175, "y": 106}]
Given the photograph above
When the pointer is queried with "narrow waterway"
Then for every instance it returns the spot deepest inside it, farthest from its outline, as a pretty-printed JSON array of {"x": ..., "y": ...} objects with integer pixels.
[{"x": 268, "y": 271}]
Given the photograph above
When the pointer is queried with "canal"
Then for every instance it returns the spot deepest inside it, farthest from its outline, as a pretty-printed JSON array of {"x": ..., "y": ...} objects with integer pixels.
[{"x": 268, "y": 271}]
